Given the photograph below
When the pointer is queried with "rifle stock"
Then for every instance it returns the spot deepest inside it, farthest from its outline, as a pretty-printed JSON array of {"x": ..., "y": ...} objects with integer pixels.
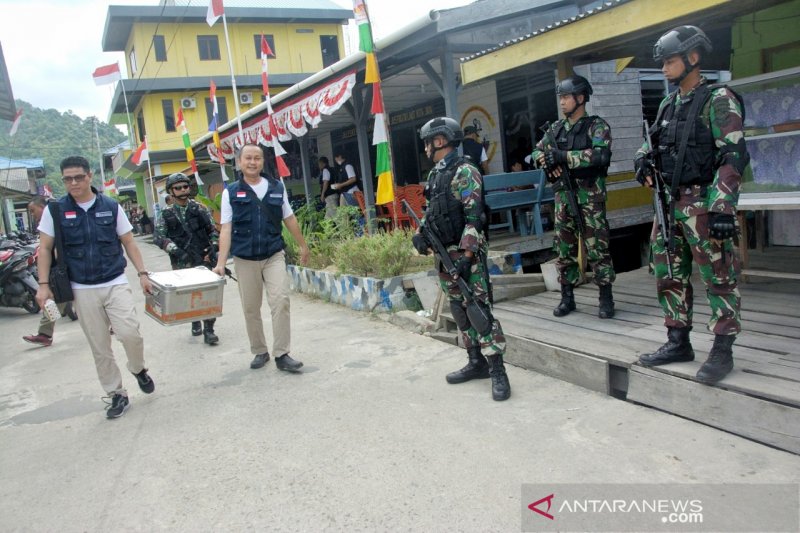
[{"x": 476, "y": 314}]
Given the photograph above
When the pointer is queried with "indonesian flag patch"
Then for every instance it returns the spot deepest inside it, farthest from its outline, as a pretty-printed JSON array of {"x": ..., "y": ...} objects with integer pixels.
[
  {"x": 241, "y": 194},
  {"x": 70, "y": 214}
]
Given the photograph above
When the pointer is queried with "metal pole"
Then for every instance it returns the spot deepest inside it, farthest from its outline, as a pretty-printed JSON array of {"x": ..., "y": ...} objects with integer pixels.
[
  {"x": 100, "y": 154},
  {"x": 233, "y": 80},
  {"x": 128, "y": 115}
]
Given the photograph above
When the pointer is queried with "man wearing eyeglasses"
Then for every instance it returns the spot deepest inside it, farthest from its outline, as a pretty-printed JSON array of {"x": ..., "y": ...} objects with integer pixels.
[
  {"x": 95, "y": 230},
  {"x": 186, "y": 232}
]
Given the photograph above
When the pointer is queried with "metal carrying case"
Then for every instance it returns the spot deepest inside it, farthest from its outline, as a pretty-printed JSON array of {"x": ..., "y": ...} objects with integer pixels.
[{"x": 187, "y": 295}]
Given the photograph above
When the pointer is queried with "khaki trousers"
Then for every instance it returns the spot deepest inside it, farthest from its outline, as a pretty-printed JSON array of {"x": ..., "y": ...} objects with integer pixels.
[
  {"x": 97, "y": 310},
  {"x": 45, "y": 326},
  {"x": 269, "y": 275}
]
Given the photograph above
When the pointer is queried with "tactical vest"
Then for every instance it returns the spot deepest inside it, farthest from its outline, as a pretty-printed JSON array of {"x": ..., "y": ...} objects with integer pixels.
[
  {"x": 473, "y": 150},
  {"x": 256, "y": 225},
  {"x": 92, "y": 249},
  {"x": 196, "y": 240},
  {"x": 334, "y": 179},
  {"x": 445, "y": 213},
  {"x": 579, "y": 138},
  {"x": 341, "y": 176}
]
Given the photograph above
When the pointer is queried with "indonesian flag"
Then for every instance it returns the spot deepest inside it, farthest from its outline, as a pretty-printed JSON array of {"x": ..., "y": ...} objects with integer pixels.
[
  {"x": 110, "y": 185},
  {"x": 107, "y": 74},
  {"x": 266, "y": 51},
  {"x": 15, "y": 124},
  {"x": 140, "y": 154},
  {"x": 215, "y": 11}
]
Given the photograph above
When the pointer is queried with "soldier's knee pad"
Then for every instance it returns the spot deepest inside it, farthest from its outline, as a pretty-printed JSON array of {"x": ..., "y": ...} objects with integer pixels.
[{"x": 459, "y": 315}]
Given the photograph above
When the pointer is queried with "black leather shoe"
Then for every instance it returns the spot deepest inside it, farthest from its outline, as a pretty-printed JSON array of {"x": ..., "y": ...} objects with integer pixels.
[
  {"x": 567, "y": 303},
  {"x": 197, "y": 329},
  {"x": 259, "y": 360},
  {"x": 209, "y": 337},
  {"x": 287, "y": 364},
  {"x": 477, "y": 368},
  {"x": 677, "y": 349},
  {"x": 720, "y": 360}
]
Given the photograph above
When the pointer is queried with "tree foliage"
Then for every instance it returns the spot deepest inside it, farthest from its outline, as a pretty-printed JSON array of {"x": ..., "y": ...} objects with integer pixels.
[{"x": 51, "y": 135}]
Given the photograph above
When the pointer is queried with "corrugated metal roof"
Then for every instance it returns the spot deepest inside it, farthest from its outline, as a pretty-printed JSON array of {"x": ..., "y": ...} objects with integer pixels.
[
  {"x": 609, "y": 4},
  {"x": 21, "y": 163},
  {"x": 280, "y": 4}
]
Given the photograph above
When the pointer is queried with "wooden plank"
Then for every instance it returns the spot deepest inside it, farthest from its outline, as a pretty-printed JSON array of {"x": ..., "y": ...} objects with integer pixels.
[
  {"x": 768, "y": 422},
  {"x": 770, "y": 274},
  {"x": 588, "y": 372},
  {"x": 504, "y": 293}
]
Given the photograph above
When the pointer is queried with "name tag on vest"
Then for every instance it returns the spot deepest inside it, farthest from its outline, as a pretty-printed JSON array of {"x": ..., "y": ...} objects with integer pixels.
[
  {"x": 274, "y": 195},
  {"x": 241, "y": 194},
  {"x": 103, "y": 214},
  {"x": 70, "y": 214}
]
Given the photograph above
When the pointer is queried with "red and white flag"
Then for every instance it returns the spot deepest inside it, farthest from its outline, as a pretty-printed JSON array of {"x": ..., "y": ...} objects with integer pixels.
[
  {"x": 215, "y": 11},
  {"x": 107, "y": 74},
  {"x": 266, "y": 51},
  {"x": 15, "y": 124},
  {"x": 140, "y": 154}
]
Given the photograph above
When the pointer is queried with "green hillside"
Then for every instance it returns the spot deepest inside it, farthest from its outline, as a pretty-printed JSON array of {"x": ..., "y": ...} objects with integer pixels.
[{"x": 51, "y": 135}]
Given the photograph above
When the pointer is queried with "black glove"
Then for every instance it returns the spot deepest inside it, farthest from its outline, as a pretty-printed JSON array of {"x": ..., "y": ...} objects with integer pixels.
[
  {"x": 464, "y": 267},
  {"x": 181, "y": 255},
  {"x": 420, "y": 243},
  {"x": 554, "y": 158},
  {"x": 721, "y": 226},
  {"x": 644, "y": 168}
]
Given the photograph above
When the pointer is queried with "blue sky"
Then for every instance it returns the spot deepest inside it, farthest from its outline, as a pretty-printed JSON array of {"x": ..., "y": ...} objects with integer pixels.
[{"x": 50, "y": 61}]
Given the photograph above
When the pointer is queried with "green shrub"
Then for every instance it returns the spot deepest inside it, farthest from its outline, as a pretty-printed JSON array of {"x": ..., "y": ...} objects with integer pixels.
[{"x": 382, "y": 255}]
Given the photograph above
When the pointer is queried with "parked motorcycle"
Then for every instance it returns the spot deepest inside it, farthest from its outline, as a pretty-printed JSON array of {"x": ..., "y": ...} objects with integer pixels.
[{"x": 18, "y": 285}]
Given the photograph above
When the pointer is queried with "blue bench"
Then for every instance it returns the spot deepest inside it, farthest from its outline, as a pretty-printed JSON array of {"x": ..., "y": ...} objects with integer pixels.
[{"x": 499, "y": 198}]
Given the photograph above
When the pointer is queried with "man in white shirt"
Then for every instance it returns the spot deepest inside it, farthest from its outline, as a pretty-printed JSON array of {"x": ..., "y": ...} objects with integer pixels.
[
  {"x": 94, "y": 231},
  {"x": 327, "y": 192},
  {"x": 254, "y": 209}
]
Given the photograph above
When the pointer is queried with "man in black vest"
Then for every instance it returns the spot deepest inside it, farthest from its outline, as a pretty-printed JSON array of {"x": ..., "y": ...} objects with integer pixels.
[
  {"x": 474, "y": 150},
  {"x": 582, "y": 154},
  {"x": 186, "y": 232},
  {"x": 254, "y": 209},
  {"x": 701, "y": 181},
  {"x": 455, "y": 214},
  {"x": 94, "y": 231}
]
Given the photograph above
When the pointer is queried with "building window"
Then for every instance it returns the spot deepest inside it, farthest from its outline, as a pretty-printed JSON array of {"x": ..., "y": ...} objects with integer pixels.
[
  {"x": 222, "y": 112},
  {"x": 132, "y": 60},
  {"x": 140, "y": 125},
  {"x": 169, "y": 115},
  {"x": 208, "y": 47},
  {"x": 330, "y": 49},
  {"x": 160, "y": 48},
  {"x": 270, "y": 41}
]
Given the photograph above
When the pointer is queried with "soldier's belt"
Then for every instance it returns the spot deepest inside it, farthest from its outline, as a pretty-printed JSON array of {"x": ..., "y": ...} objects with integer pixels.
[{"x": 691, "y": 190}]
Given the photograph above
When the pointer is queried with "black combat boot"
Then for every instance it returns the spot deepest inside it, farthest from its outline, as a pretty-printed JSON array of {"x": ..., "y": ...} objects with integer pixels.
[
  {"x": 720, "y": 360},
  {"x": 208, "y": 333},
  {"x": 567, "y": 303},
  {"x": 501, "y": 388},
  {"x": 477, "y": 368},
  {"x": 197, "y": 329},
  {"x": 606, "y": 302},
  {"x": 676, "y": 349}
]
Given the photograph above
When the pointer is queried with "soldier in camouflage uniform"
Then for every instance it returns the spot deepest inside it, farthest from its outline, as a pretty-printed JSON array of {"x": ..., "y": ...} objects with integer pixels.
[
  {"x": 582, "y": 154},
  {"x": 188, "y": 234},
  {"x": 455, "y": 214},
  {"x": 702, "y": 193}
]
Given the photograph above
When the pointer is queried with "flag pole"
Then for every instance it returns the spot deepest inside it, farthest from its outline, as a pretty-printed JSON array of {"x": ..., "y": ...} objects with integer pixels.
[
  {"x": 99, "y": 153},
  {"x": 127, "y": 112},
  {"x": 150, "y": 173},
  {"x": 233, "y": 79}
]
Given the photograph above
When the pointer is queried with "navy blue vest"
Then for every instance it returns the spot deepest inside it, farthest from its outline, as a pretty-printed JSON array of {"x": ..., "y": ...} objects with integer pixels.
[
  {"x": 256, "y": 225},
  {"x": 92, "y": 248}
]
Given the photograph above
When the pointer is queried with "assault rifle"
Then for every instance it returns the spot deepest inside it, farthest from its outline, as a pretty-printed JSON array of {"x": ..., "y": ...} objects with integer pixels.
[
  {"x": 664, "y": 223},
  {"x": 478, "y": 316},
  {"x": 569, "y": 188},
  {"x": 213, "y": 254}
]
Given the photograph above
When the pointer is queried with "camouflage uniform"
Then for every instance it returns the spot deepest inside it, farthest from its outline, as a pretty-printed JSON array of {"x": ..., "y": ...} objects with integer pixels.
[
  {"x": 195, "y": 257},
  {"x": 467, "y": 185},
  {"x": 717, "y": 260},
  {"x": 592, "y": 202}
]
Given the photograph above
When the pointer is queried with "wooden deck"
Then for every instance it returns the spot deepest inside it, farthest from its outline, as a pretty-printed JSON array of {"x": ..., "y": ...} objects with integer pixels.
[{"x": 759, "y": 400}]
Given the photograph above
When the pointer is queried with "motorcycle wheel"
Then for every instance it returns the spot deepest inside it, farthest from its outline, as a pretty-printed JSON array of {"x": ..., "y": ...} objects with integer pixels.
[
  {"x": 70, "y": 312},
  {"x": 30, "y": 304}
]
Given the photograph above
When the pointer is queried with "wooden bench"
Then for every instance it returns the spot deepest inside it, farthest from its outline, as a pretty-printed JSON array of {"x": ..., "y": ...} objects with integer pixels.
[{"x": 501, "y": 197}]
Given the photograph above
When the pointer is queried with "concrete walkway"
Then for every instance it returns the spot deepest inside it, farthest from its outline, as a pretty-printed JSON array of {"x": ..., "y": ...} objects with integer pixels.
[{"x": 368, "y": 438}]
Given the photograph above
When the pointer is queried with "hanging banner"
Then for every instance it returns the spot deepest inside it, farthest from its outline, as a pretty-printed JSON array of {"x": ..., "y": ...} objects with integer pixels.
[{"x": 290, "y": 119}]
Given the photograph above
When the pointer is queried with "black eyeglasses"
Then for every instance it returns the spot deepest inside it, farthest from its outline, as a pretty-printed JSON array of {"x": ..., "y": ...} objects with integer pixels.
[
  {"x": 73, "y": 179},
  {"x": 179, "y": 187}
]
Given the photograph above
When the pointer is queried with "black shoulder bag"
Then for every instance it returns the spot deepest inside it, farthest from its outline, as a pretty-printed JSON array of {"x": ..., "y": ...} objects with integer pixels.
[{"x": 59, "y": 277}]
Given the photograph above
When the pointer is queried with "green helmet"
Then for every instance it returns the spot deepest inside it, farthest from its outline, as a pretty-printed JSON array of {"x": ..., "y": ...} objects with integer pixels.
[{"x": 178, "y": 177}]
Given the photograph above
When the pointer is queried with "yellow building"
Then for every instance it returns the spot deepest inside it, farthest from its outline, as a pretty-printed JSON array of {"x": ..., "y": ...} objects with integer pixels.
[{"x": 172, "y": 55}]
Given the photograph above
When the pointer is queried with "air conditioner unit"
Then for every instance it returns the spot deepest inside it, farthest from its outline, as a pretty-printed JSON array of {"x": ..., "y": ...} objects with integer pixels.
[
  {"x": 245, "y": 98},
  {"x": 188, "y": 103}
]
